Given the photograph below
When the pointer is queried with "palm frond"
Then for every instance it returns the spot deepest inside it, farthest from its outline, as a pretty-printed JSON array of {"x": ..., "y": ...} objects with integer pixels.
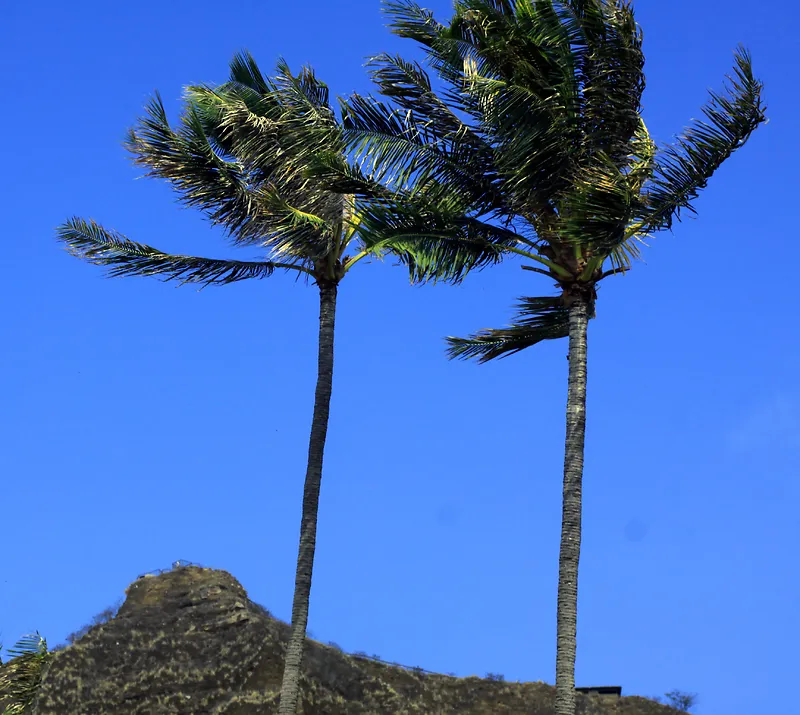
[
  {"x": 186, "y": 159},
  {"x": 123, "y": 257},
  {"x": 435, "y": 239},
  {"x": 297, "y": 104},
  {"x": 536, "y": 145},
  {"x": 21, "y": 676},
  {"x": 409, "y": 85},
  {"x": 274, "y": 128},
  {"x": 304, "y": 92},
  {"x": 612, "y": 76},
  {"x": 210, "y": 170},
  {"x": 239, "y": 121},
  {"x": 336, "y": 174},
  {"x": 595, "y": 212},
  {"x": 244, "y": 71},
  {"x": 515, "y": 77},
  {"x": 397, "y": 153},
  {"x": 447, "y": 53},
  {"x": 408, "y": 19},
  {"x": 537, "y": 319},
  {"x": 641, "y": 160},
  {"x": 683, "y": 169}
]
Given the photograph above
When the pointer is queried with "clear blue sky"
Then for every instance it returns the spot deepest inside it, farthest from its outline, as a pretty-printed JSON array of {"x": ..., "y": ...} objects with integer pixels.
[{"x": 143, "y": 423}]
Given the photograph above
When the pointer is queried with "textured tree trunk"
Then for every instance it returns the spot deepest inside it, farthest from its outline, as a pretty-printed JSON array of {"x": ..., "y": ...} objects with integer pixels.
[
  {"x": 567, "y": 617},
  {"x": 290, "y": 688}
]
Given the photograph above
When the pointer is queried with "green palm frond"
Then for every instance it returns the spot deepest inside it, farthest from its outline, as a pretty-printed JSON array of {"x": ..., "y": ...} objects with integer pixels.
[
  {"x": 551, "y": 90},
  {"x": 537, "y": 319},
  {"x": 412, "y": 21},
  {"x": 596, "y": 211},
  {"x": 387, "y": 140},
  {"x": 274, "y": 128},
  {"x": 611, "y": 75},
  {"x": 330, "y": 160},
  {"x": 396, "y": 151},
  {"x": 536, "y": 146},
  {"x": 335, "y": 173},
  {"x": 435, "y": 239},
  {"x": 124, "y": 257},
  {"x": 270, "y": 146},
  {"x": 185, "y": 158},
  {"x": 531, "y": 120},
  {"x": 408, "y": 84},
  {"x": 21, "y": 676},
  {"x": 290, "y": 115},
  {"x": 238, "y": 121},
  {"x": 297, "y": 105},
  {"x": 505, "y": 81},
  {"x": 641, "y": 159},
  {"x": 304, "y": 94},
  {"x": 211, "y": 170},
  {"x": 245, "y": 72},
  {"x": 683, "y": 169}
]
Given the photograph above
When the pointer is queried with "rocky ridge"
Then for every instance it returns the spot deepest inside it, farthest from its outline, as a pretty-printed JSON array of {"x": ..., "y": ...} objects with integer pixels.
[{"x": 189, "y": 642}]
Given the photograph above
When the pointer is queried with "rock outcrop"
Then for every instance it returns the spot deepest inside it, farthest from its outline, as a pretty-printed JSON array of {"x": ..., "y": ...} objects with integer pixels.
[{"x": 190, "y": 642}]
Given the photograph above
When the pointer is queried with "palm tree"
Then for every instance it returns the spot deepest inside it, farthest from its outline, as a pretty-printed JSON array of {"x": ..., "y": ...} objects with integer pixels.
[
  {"x": 20, "y": 677},
  {"x": 533, "y": 139},
  {"x": 241, "y": 156}
]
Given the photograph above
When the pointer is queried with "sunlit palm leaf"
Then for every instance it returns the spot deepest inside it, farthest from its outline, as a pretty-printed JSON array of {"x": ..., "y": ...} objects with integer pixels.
[
  {"x": 202, "y": 178},
  {"x": 251, "y": 203}
]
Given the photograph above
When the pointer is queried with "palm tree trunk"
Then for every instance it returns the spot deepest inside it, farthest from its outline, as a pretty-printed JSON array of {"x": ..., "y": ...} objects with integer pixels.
[
  {"x": 290, "y": 688},
  {"x": 567, "y": 617}
]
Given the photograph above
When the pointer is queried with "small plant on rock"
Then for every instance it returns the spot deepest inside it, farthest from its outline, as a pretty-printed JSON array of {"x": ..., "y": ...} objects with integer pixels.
[{"x": 680, "y": 700}]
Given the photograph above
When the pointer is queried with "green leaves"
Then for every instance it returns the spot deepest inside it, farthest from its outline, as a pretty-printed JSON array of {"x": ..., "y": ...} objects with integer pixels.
[
  {"x": 238, "y": 153},
  {"x": 537, "y": 319},
  {"x": 122, "y": 257},
  {"x": 245, "y": 72},
  {"x": 203, "y": 178},
  {"x": 21, "y": 676},
  {"x": 434, "y": 245},
  {"x": 266, "y": 158},
  {"x": 539, "y": 99},
  {"x": 526, "y": 137},
  {"x": 531, "y": 121},
  {"x": 611, "y": 75},
  {"x": 683, "y": 169}
]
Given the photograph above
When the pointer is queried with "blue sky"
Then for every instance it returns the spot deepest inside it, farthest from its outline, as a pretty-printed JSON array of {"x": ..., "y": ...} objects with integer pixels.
[{"x": 144, "y": 423}]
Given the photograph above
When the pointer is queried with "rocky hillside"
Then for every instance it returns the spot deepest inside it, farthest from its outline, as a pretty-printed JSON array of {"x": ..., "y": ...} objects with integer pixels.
[{"x": 189, "y": 641}]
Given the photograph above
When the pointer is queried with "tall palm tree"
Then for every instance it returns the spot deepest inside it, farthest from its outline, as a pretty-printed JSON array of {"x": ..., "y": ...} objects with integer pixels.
[
  {"x": 241, "y": 156},
  {"x": 532, "y": 138}
]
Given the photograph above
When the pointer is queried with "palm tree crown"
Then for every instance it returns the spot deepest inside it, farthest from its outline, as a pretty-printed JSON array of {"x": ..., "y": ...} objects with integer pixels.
[
  {"x": 532, "y": 139},
  {"x": 241, "y": 155}
]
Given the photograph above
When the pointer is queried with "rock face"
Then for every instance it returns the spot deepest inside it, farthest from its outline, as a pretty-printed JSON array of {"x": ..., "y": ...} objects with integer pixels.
[{"x": 190, "y": 642}]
